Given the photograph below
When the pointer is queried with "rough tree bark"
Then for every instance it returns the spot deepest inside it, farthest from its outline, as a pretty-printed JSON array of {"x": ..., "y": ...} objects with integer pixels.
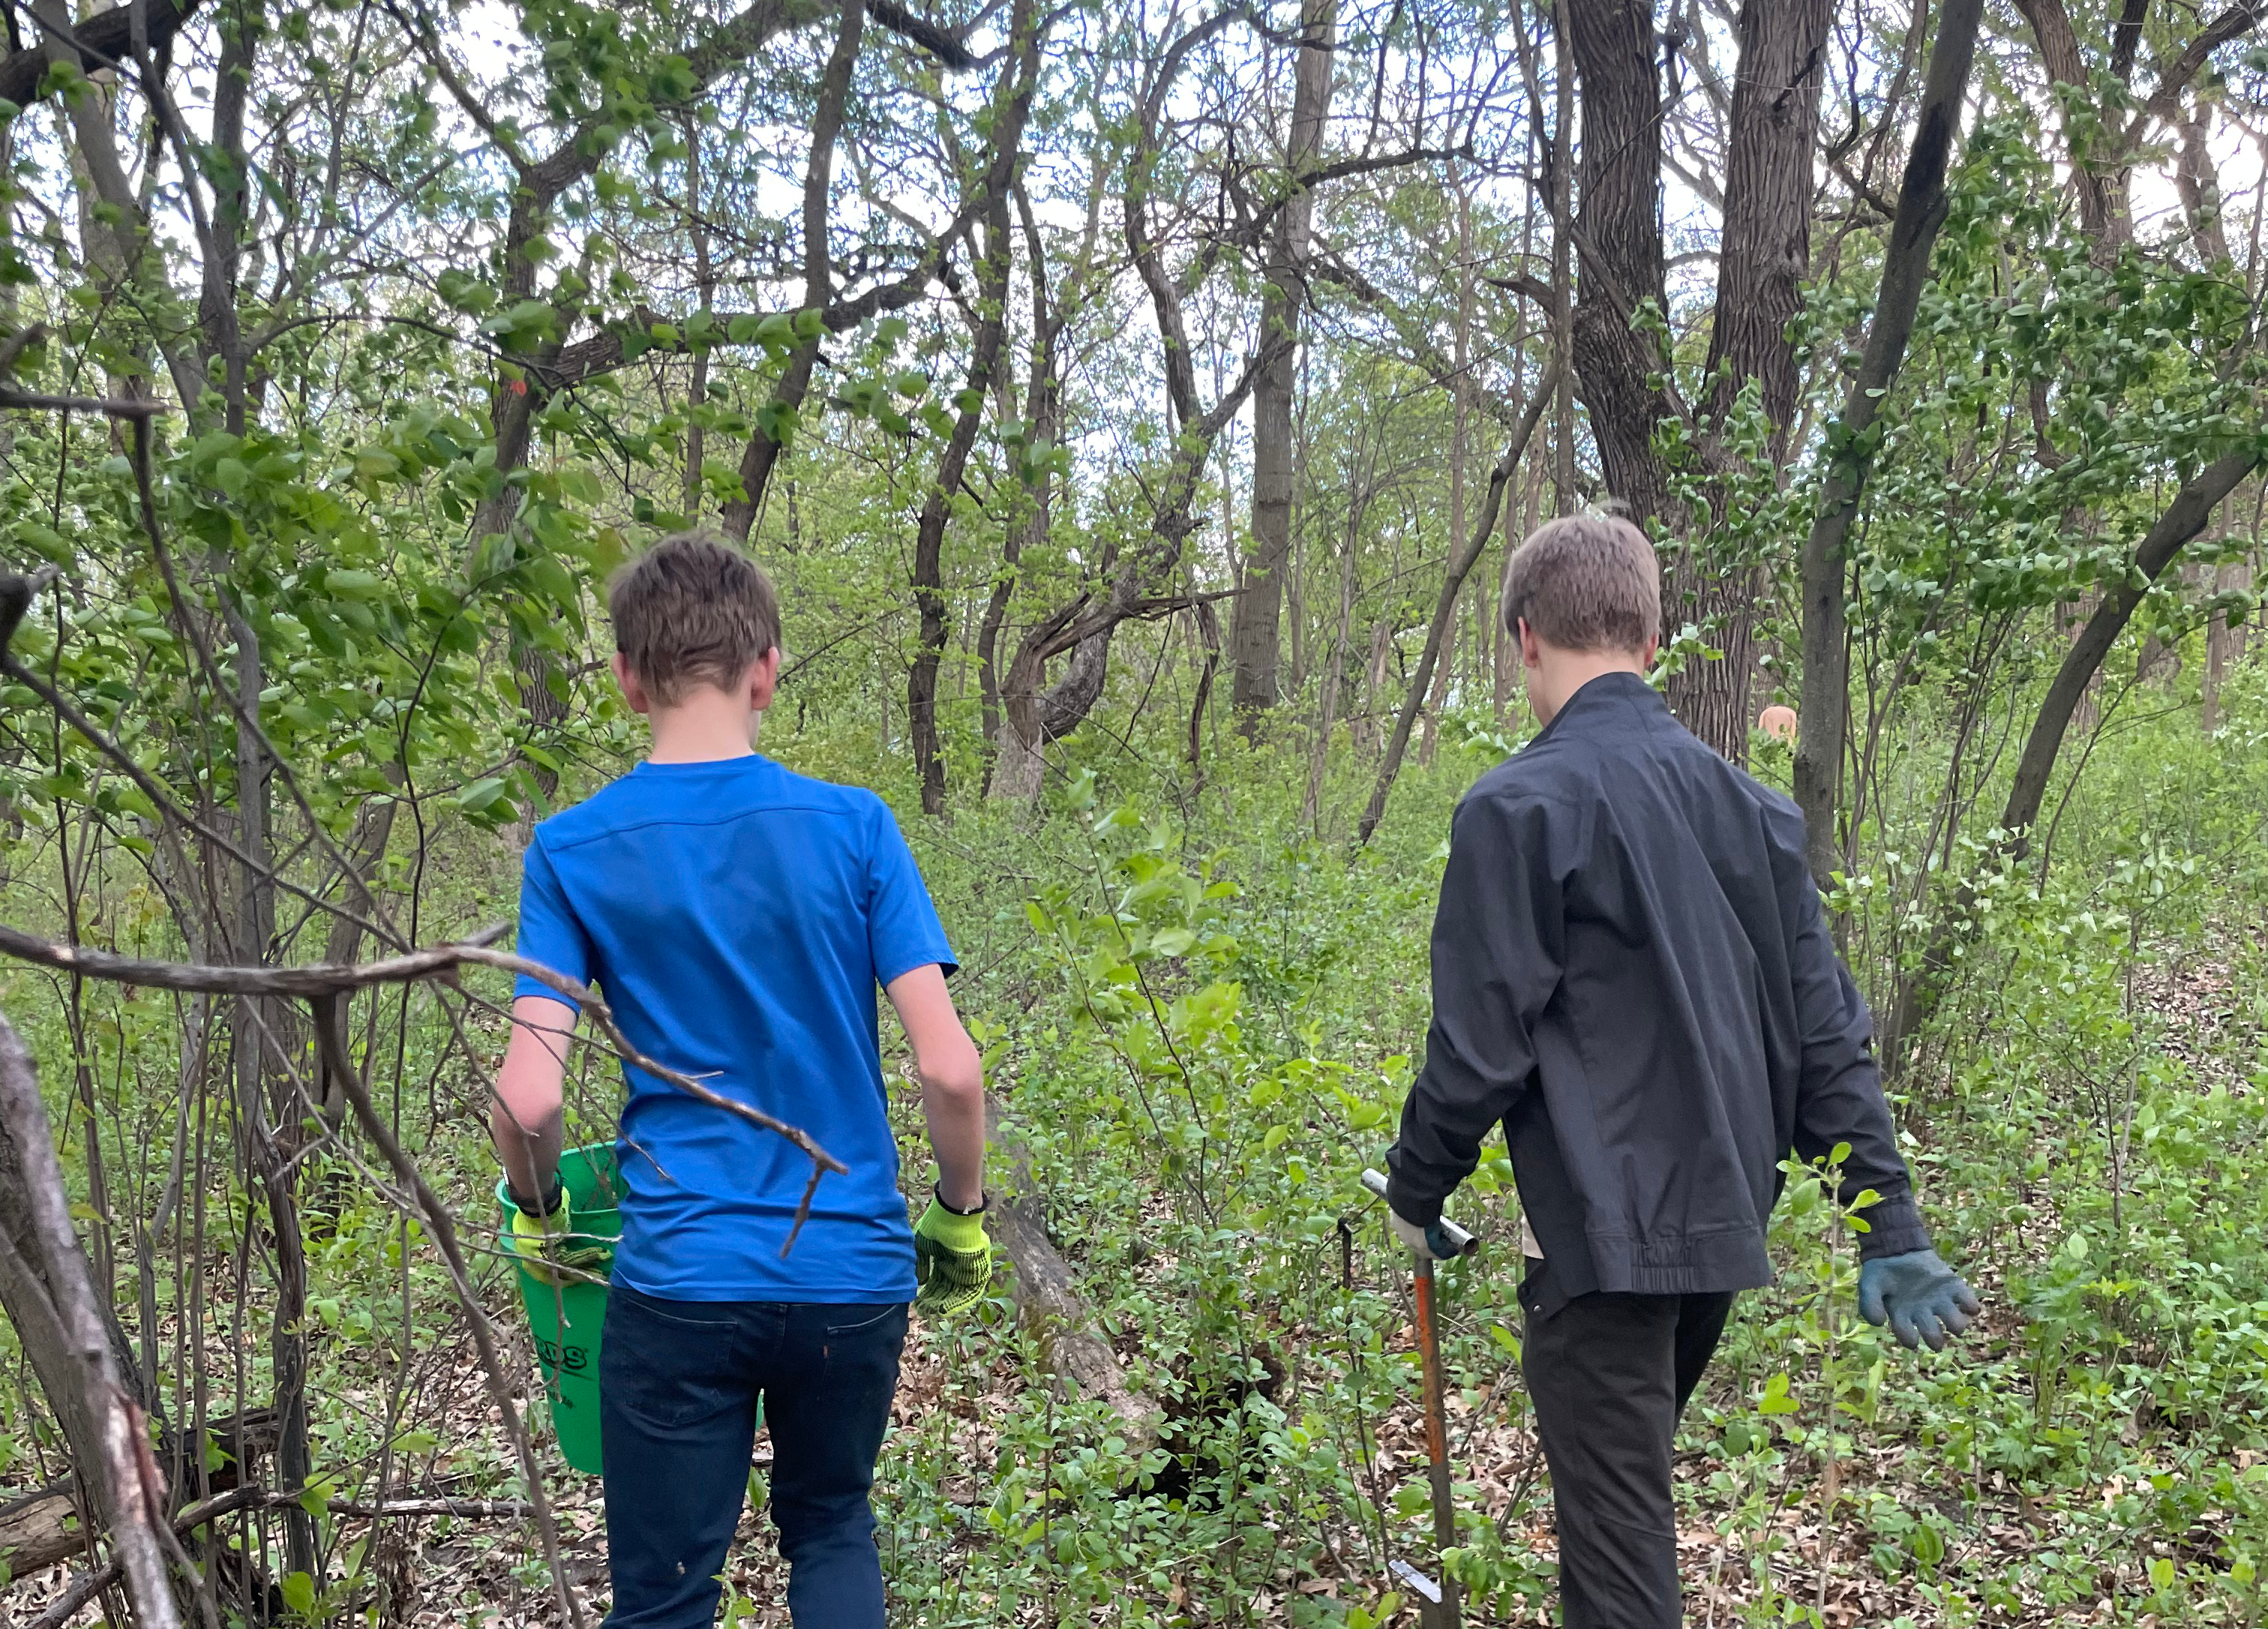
[
  {"x": 1255, "y": 630},
  {"x": 1562, "y": 261},
  {"x": 1825, "y": 726},
  {"x": 1765, "y": 254},
  {"x": 2102, "y": 148},
  {"x": 1617, "y": 232}
]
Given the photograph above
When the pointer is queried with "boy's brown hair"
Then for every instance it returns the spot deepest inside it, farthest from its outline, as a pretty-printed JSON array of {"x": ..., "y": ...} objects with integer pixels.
[
  {"x": 691, "y": 610},
  {"x": 1585, "y": 583}
]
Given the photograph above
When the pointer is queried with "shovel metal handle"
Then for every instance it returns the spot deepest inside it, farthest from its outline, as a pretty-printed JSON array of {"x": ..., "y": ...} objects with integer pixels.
[{"x": 1465, "y": 1243}]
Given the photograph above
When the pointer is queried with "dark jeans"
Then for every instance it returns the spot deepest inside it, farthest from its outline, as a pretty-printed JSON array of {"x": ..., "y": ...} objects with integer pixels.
[
  {"x": 1608, "y": 1375},
  {"x": 679, "y": 1381}
]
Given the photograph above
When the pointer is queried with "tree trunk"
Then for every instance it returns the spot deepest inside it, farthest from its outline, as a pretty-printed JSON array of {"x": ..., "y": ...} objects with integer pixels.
[
  {"x": 1619, "y": 231},
  {"x": 1824, "y": 725},
  {"x": 1257, "y": 629},
  {"x": 1046, "y": 408},
  {"x": 774, "y": 426},
  {"x": 259, "y": 1025},
  {"x": 2097, "y": 176},
  {"x": 72, "y": 1342},
  {"x": 1012, "y": 103},
  {"x": 2221, "y": 645},
  {"x": 1459, "y": 449},
  {"x": 1763, "y": 256},
  {"x": 704, "y": 285},
  {"x": 1319, "y": 756},
  {"x": 1564, "y": 495}
]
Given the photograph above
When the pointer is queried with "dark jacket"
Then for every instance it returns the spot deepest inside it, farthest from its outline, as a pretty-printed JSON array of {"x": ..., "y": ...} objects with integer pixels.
[{"x": 1633, "y": 974}]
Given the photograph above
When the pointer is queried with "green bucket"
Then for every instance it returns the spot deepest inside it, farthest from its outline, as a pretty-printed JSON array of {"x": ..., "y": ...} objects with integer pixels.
[{"x": 567, "y": 1318}]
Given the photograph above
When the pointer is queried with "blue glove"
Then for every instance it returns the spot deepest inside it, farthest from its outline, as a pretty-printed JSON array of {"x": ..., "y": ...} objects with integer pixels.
[{"x": 1917, "y": 1295}]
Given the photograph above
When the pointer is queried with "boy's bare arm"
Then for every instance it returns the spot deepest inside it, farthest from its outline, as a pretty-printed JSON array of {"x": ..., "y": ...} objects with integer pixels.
[
  {"x": 952, "y": 1082},
  {"x": 527, "y": 1118}
]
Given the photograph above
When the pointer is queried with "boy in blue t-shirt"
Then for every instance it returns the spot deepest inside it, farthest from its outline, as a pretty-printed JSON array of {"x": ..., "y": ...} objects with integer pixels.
[{"x": 738, "y": 919}]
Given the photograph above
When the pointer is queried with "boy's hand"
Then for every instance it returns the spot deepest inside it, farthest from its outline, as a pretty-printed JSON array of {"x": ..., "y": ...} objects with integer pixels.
[
  {"x": 1917, "y": 1295},
  {"x": 543, "y": 1237},
  {"x": 952, "y": 1260}
]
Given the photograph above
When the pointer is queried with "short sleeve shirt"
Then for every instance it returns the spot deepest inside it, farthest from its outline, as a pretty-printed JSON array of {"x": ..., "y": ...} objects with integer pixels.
[{"x": 739, "y": 920}]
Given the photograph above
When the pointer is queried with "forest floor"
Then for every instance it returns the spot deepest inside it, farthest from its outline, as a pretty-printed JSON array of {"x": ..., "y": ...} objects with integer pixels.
[
  {"x": 464, "y": 1573},
  {"x": 1737, "y": 1547}
]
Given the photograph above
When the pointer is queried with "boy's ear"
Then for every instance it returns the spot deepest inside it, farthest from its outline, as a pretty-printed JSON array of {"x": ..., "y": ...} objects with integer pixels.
[
  {"x": 763, "y": 680},
  {"x": 633, "y": 691}
]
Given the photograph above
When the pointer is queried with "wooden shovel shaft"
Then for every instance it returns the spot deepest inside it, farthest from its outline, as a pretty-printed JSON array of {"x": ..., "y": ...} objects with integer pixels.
[
  {"x": 1437, "y": 1434},
  {"x": 1444, "y": 1615}
]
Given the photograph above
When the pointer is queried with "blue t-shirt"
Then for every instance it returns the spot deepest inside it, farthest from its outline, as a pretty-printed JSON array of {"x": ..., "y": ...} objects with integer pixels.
[{"x": 738, "y": 918}]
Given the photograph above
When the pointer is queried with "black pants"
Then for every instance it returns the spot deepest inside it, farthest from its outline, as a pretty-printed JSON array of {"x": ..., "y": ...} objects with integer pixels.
[
  {"x": 677, "y": 1411},
  {"x": 1608, "y": 1375}
]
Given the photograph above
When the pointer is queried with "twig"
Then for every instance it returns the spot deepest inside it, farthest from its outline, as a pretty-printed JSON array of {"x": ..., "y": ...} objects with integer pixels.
[
  {"x": 116, "y": 407},
  {"x": 321, "y": 981},
  {"x": 313, "y": 979},
  {"x": 332, "y": 1040},
  {"x": 123, "y": 1447},
  {"x": 603, "y": 1015}
]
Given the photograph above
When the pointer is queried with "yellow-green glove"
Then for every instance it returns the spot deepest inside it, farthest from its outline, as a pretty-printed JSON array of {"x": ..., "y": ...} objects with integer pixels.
[
  {"x": 548, "y": 1240},
  {"x": 952, "y": 1260}
]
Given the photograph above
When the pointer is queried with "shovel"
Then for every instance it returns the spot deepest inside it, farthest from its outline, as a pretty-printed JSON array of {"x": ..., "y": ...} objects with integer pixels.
[{"x": 1437, "y": 1600}]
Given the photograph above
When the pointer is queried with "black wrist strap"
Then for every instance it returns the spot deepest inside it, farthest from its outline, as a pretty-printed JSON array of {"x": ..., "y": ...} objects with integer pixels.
[
  {"x": 542, "y": 1207},
  {"x": 983, "y": 1202}
]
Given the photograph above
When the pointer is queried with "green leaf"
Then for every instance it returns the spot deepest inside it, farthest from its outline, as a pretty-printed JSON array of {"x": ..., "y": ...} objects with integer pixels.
[
  {"x": 352, "y": 584},
  {"x": 481, "y": 795},
  {"x": 298, "y": 1592}
]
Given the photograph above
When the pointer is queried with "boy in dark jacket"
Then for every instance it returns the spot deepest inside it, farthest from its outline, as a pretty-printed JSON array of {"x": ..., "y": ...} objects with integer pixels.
[{"x": 1632, "y": 975}]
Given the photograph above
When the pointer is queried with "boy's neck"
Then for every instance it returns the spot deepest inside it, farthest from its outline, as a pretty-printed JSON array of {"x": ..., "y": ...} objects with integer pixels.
[{"x": 705, "y": 725}]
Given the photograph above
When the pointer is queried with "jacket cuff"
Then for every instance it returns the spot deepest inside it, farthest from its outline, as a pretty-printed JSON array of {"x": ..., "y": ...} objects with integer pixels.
[{"x": 1893, "y": 1227}]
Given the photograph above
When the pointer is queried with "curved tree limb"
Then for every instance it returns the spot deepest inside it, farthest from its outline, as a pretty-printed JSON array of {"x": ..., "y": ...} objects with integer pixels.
[
  {"x": 1446, "y": 607},
  {"x": 1824, "y": 724}
]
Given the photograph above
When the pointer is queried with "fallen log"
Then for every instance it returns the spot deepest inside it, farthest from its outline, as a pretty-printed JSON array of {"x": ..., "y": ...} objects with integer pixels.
[
  {"x": 1047, "y": 1300},
  {"x": 40, "y": 1530}
]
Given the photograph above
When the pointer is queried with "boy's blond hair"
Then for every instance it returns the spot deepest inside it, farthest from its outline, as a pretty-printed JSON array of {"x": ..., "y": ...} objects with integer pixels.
[
  {"x": 691, "y": 610},
  {"x": 1585, "y": 583}
]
